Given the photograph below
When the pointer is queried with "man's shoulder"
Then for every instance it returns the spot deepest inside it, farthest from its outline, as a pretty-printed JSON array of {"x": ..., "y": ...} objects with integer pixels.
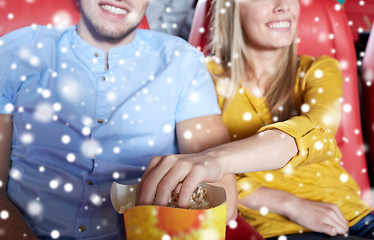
[
  {"x": 165, "y": 42},
  {"x": 27, "y": 35}
]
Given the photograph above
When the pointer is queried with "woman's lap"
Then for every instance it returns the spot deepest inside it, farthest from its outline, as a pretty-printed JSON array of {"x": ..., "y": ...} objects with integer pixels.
[
  {"x": 364, "y": 229},
  {"x": 315, "y": 236}
]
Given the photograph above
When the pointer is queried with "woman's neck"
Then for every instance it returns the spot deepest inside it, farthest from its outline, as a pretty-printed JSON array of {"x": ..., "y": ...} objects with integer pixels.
[
  {"x": 264, "y": 64},
  {"x": 264, "y": 61}
]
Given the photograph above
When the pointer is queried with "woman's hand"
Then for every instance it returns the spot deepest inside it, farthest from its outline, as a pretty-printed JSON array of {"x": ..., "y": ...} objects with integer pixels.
[
  {"x": 182, "y": 172},
  {"x": 318, "y": 216}
]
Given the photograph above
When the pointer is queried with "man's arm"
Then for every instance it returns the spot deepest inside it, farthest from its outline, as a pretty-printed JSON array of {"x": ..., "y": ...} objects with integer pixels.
[
  {"x": 194, "y": 135},
  {"x": 12, "y": 223}
]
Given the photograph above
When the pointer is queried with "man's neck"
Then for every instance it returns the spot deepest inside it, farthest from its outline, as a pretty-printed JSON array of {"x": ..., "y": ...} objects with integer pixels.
[{"x": 102, "y": 43}]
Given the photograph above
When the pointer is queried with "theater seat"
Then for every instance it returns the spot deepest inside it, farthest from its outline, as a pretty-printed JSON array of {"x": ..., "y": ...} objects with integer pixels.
[
  {"x": 323, "y": 30},
  {"x": 17, "y": 14},
  {"x": 367, "y": 96}
]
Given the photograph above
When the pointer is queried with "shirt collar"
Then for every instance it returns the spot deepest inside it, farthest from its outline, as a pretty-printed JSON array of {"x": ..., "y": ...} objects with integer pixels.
[{"x": 95, "y": 57}]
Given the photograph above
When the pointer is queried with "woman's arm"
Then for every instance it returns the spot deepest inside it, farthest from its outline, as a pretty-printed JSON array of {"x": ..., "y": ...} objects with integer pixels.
[
  {"x": 300, "y": 140},
  {"x": 194, "y": 135},
  {"x": 12, "y": 222},
  {"x": 316, "y": 216},
  {"x": 269, "y": 150}
]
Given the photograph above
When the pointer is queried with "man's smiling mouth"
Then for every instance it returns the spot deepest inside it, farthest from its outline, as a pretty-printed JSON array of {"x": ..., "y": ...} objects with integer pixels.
[{"x": 114, "y": 10}]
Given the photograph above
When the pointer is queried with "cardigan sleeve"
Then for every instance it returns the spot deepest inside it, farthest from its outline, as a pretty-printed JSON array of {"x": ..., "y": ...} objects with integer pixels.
[{"x": 315, "y": 128}]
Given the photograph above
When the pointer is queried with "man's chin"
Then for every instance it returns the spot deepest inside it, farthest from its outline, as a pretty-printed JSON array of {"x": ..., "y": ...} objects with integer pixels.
[{"x": 113, "y": 35}]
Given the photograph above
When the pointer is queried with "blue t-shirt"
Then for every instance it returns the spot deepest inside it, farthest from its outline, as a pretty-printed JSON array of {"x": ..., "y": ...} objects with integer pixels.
[{"x": 78, "y": 127}]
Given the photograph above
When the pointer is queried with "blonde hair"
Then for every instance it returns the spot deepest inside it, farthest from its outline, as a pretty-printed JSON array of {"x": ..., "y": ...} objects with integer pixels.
[{"x": 227, "y": 45}]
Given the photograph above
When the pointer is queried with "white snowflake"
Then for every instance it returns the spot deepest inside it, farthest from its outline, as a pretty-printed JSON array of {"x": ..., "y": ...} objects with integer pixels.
[
  {"x": 318, "y": 145},
  {"x": 318, "y": 73},
  {"x": 269, "y": 177},
  {"x": 347, "y": 108},
  {"x": 233, "y": 224},
  {"x": 9, "y": 108},
  {"x": 96, "y": 199},
  {"x": 4, "y": 214},
  {"x": 167, "y": 128},
  {"x": 305, "y": 108},
  {"x": 264, "y": 211},
  {"x": 91, "y": 147},
  {"x": 34, "y": 208},
  {"x": 247, "y": 116},
  {"x": 71, "y": 157},
  {"x": 187, "y": 135},
  {"x": 68, "y": 187},
  {"x": 65, "y": 139},
  {"x": 55, "y": 234},
  {"x": 344, "y": 177},
  {"x": 194, "y": 97},
  {"x": 27, "y": 138},
  {"x": 166, "y": 237},
  {"x": 54, "y": 183},
  {"x": 116, "y": 175}
]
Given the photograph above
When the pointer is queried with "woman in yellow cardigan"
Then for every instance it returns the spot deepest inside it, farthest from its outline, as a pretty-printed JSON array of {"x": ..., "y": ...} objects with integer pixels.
[{"x": 282, "y": 111}]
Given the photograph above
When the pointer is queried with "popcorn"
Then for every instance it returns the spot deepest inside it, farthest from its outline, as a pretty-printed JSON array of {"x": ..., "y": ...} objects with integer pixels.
[
  {"x": 198, "y": 199},
  {"x": 123, "y": 208},
  {"x": 156, "y": 222}
]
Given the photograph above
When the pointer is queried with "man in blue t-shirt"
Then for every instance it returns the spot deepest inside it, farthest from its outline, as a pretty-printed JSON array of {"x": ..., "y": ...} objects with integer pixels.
[{"x": 84, "y": 106}]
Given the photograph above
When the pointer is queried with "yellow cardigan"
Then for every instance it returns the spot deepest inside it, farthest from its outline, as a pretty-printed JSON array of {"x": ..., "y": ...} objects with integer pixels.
[{"x": 314, "y": 173}]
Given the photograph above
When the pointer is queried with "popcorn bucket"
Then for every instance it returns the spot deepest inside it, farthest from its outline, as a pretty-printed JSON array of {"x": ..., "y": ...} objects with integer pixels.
[{"x": 168, "y": 223}]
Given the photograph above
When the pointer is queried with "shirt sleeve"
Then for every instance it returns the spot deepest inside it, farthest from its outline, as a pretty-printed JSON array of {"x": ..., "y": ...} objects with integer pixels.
[
  {"x": 314, "y": 130},
  {"x": 8, "y": 69},
  {"x": 197, "y": 95}
]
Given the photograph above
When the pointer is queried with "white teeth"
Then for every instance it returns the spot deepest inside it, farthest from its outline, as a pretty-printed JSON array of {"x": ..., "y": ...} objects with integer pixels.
[
  {"x": 114, "y": 10},
  {"x": 278, "y": 25}
]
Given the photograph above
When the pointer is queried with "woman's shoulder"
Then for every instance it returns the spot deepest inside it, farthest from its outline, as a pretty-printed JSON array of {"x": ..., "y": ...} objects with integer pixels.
[
  {"x": 307, "y": 62},
  {"x": 214, "y": 66},
  {"x": 314, "y": 69}
]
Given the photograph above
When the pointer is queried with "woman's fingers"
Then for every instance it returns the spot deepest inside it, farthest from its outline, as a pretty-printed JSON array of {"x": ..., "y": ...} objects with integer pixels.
[
  {"x": 146, "y": 189},
  {"x": 175, "y": 172},
  {"x": 320, "y": 217},
  {"x": 161, "y": 178},
  {"x": 170, "y": 181},
  {"x": 340, "y": 217},
  {"x": 197, "y": 175},
  {"x": 336, "y": 219}
]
